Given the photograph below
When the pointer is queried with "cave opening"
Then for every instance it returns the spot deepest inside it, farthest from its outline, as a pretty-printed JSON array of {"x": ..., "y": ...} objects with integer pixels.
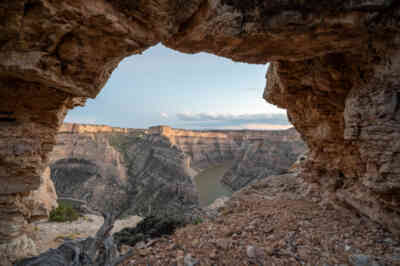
[
  {"x": 182, "y": 91},
  {"x": 336, "y": 110}
]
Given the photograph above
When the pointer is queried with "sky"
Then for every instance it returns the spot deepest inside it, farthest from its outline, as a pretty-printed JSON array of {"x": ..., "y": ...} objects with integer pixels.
[{"x": 166, "y": 87}]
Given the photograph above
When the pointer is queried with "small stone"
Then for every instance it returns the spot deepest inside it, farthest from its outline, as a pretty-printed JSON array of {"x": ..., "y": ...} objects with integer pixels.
[
  {"x": 195, "y": 243},
  {"x": 362, "y": 260},
  {"x": 125, "y": 249},
  {"x": 179, "y": 257},
  {"x": 223, "y": 243},
  {"x": 171, "y": 247},
  {"x": 144, "y": 252},
  {"x": 180, "y": 253},
  {"x": 269, "y": 250},
  {"x": 140, "y": 245},
  {"x": 280, "y": 244},
  {"x": 251, "y": 251},
  {"x": 213, "y": 254},
  {"x": 190, "y": 261},
  {"x": 388, "y": 241},
  {"x": 347, "y": 247}
]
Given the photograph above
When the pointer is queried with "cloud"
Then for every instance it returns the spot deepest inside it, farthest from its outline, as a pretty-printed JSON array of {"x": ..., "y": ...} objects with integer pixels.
[
  {"x": 241, "y": 118},
  {"x": 257, "y": 127},
  {"x": 234, "y": 121},
  {"x": 164, "y": 115}
]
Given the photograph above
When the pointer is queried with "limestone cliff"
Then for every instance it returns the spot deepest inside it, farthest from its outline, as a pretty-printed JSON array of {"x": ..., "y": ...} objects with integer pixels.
[
  {"x": 111, "y": 168},
  {"x": 44, "y": 199},
  {"x": 153, "y": 169},
  {"x": 259, "y": 157},
  {"x": 256, "y": 154}
]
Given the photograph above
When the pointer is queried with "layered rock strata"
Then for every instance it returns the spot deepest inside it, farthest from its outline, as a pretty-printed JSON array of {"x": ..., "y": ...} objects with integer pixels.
[
  {"x": 255, "y": 154},
  {"x": 350, "y": 119},
  {"x": 335, "y": 69},
  {"x": 43, "y": 200},
  {"x": 153, "y": 169},
  {"x": 113, "y": 168}
]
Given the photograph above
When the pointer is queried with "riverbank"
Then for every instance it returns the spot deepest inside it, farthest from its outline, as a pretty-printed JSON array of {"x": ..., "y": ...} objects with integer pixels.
[{"x": 209, "y": 185}]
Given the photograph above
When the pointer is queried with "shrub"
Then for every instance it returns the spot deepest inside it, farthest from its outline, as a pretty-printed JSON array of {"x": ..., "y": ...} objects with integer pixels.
[
  {"x": 63, "y": 213},
  {"x": 149, "y": 228},
  {"x": 197, "y": 220}
]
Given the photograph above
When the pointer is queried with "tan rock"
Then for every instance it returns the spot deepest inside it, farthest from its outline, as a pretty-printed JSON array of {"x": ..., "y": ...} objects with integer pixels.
[
  {"x": 17, "y": 248},
  {"x": 335, "y": 69},
  {"x": 44, "y": 199}
]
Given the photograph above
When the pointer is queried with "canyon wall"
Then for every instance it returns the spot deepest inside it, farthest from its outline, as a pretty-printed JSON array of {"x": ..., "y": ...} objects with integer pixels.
[
  {"x": 114, "y": 168},
  {"x": 153, "y": 169},
  {"x": 255, "y": 153},
  {"x": 335, "y": 68}
]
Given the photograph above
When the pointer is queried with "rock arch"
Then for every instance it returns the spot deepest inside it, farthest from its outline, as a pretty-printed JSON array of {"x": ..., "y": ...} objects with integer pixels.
[{"x": 335, "y": 68}]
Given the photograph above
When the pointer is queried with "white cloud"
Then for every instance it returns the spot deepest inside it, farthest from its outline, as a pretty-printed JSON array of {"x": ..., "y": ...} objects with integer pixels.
[
  {"x": 261, "y": 121},
  {"x": 257, "y": 127},
  {"x": 278, "y": 118},
  {"x": 164, "y": 115}
]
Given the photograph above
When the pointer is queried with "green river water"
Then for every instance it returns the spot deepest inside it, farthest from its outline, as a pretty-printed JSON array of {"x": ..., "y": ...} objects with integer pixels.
[{"x": 209, "y": 184}]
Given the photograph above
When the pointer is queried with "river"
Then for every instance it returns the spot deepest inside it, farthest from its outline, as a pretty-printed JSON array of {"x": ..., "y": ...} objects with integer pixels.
[{"x": 208, "y": 183}]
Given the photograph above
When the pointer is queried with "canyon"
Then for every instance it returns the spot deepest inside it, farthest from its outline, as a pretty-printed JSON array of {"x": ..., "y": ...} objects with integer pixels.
[
  {"x": 152, "y": 171},
  {"x": 334, "y": 67}
]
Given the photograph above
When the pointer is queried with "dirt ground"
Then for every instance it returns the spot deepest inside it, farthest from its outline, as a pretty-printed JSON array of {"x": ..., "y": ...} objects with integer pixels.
[{"x": 277, "y": 221}]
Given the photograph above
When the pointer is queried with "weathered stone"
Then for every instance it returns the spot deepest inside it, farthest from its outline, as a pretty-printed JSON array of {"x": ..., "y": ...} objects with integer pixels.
[
  {"x": 347, "y": 128},
  {"x": 17, "y": 248},
  {"x": 44, "y": 199},
  {"x": 29, "y": 122},
  {"x": 111, "y": 168},
  {"x": 93, "y": 163},
  {"x": 335, "y": 69},
  {"x": 362, "y": 260},
  {"x": 190, "y": 261}
]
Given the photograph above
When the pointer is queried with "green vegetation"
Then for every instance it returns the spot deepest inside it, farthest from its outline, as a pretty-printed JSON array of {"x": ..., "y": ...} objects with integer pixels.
[
  {"x": 197, "y": 220},
  {"x": 123, "y": 141},
  {"x": 125, "y": 144},
  {"x": 63, "y": 213}
]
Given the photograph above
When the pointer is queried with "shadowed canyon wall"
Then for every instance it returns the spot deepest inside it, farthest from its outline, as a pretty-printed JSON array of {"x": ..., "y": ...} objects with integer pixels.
[
  {"x": 113, "y": 168},
  {"x": 153, "y": 170},
  {"x": 255, "y": 154},
  {"x": 335, "y": 68}
]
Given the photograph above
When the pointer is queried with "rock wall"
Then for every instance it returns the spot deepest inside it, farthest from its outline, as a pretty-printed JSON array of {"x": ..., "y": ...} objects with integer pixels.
[
  {"x": 153, "y": 169},
  {"x": 113, "y": 168},
  {"x": 349, "y": 118},
  {"x": 343, "y": 53},
  {"x": 259, "y": 157},
  {"x": 44, "y": 199},
  {"x": 28, "y": 126},
  {"x": 256, "y": 154}
]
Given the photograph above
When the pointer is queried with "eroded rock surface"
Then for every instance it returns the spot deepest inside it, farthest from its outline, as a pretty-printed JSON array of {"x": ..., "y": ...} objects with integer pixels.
[
  {"x": 346, "y": 107},
  {"x": 112, "y": 168},
  {"x": 153, "y": 169},
  {"x": 335, "y": 69},
  {"x": 44, "y": 199}
]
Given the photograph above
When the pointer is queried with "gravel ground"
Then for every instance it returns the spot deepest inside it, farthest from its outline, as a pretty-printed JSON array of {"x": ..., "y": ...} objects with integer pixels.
[{"x": 275, "y": 222}]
